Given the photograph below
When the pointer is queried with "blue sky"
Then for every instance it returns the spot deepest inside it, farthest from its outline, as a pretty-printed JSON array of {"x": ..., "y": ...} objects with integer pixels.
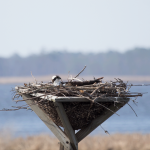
[{"x": 29, "y": 26}]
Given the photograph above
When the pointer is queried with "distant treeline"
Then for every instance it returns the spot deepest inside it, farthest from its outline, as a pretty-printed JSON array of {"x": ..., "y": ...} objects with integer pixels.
[{"x": 132, "y": 62}]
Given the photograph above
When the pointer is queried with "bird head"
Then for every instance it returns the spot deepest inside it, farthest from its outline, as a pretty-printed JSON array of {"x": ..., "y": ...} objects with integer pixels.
[{"x": 56, "y": 77}]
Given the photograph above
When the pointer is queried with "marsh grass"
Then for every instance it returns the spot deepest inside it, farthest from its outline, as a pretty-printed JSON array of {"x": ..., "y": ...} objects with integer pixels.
[{"x": 46, "y": 142}]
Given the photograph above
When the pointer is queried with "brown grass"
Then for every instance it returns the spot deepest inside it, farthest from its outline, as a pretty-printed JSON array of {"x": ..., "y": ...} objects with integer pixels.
[{"x": 45, "y": 142}]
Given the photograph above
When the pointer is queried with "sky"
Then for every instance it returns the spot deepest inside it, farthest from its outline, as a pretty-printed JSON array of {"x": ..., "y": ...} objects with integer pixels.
[{"x": 31, "y": 26}]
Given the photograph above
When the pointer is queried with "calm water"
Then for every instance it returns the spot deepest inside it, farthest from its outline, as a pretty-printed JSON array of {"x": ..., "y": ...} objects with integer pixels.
[{"x": 23, "y": 122}]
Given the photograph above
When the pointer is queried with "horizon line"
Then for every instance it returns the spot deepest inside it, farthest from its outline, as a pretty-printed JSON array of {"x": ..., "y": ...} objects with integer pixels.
[{"x": 45, "y": 52}]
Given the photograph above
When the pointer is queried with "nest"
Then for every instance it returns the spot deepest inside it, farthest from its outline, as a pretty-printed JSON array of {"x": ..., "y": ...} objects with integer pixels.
[{"x": 80, "y": 114}]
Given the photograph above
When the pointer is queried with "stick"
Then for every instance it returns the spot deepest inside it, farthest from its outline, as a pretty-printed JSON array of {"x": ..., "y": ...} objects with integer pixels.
[
  {"x": 105, "y": 130},
  {"x": 100, "y": 104},
  {"x": 34, "y": 77},
  {"x": 107, "y": 108},
  {"x": 80, "y": 72},
  {"x": 97, "y": 89},
  {"x": 132, "y": 109}
]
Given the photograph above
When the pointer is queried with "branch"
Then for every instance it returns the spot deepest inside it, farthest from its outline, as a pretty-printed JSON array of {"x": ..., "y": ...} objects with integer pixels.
[
  {"x": 132, "y": 109},
  {"x": 34, "y": 77},
  {"x": 79, "y": 72}
]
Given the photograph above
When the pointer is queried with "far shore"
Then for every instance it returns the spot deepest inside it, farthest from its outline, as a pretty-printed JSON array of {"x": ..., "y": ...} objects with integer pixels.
[{"x": 15, "y": 80}]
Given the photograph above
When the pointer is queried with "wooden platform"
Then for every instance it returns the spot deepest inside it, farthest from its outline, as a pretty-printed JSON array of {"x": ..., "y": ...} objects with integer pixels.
[{"x": 68, "y": 139}]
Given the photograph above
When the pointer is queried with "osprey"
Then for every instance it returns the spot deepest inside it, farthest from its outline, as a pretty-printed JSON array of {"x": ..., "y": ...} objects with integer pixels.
[{"x": 56, "y": 80}]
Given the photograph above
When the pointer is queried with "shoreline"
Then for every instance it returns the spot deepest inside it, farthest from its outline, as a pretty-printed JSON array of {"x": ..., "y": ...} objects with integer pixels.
[{"x": 13, "y": 80}]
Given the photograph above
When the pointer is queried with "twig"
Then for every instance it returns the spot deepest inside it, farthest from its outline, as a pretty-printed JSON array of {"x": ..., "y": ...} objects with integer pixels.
[
  {"x": 4, "y": 109},
  {"x": 21, "y": 107},
  {"x": 134, "y": 101},
  {"x": 107, "y": 108},
  {"x": 97, "y": 89},
  {"x": 100, "y": 104},
  {"x": 79, "y": 72},
  {"x": 25, "y": 99},
  {"x": 34, "y": 77},
  {"x": 105, "y": 130},
  {"x": 132, "y": 109}
]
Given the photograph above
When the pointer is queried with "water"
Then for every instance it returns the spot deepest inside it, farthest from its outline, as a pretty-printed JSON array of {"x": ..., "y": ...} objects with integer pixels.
[{"x": 25, "y": 123}]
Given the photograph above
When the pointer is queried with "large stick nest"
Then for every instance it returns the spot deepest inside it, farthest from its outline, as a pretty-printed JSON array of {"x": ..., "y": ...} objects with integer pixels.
[{"x": 80, "y": 114}]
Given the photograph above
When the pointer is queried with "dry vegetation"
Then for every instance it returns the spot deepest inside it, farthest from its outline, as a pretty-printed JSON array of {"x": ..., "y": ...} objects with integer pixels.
[{"x": 45, "y": 142}]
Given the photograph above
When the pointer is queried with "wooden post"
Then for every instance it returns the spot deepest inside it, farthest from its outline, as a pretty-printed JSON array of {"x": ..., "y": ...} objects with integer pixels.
[
  {"x": 67, "y": 126},
  {"x": 61, "y": 147},
  {"x": 65, "y": 141}
]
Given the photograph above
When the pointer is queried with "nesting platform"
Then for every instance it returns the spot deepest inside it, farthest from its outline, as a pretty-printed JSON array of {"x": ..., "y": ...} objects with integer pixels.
[
  {"x": 71, "y": 113},
  {"x": 80, "y": 106}
]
